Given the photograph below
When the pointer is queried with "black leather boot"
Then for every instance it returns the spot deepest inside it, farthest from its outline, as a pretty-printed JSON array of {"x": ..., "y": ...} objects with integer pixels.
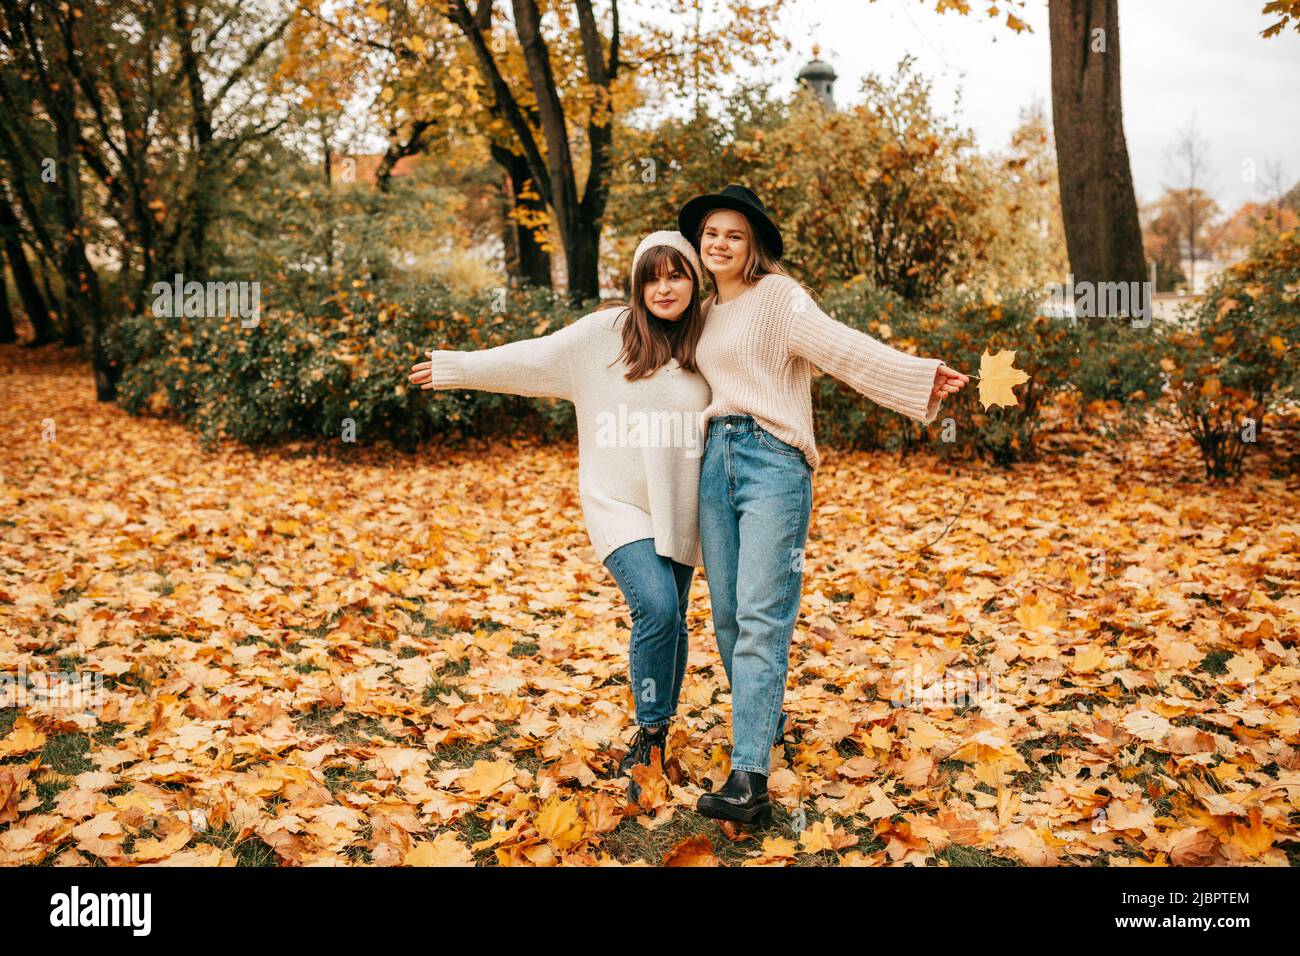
[
  {"x": 742, "y": 798},
  {"x": 643, "y": 745}
]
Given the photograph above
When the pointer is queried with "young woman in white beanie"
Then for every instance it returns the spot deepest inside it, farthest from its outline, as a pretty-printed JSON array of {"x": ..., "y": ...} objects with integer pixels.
[
  {"x": 762, "y": 335},
  {"x": 630, "y": 372}
]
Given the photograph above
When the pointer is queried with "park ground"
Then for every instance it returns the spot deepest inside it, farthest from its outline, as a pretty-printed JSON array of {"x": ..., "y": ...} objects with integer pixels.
[{"x": 333, "y": 654}]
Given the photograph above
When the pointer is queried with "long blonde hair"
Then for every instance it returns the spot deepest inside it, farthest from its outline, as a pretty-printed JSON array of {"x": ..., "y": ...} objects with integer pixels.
[{"x": 758, "y": 263}]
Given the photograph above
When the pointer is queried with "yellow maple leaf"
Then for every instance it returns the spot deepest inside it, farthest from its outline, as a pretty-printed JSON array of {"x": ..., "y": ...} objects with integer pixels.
[
  {"x": 24, "y": 738},
  {"x": 695, "y": 850},
  {"x": 173, "y": 835},
  {"x": 997, "y": 378},
  {"x": 1256, "y": 839},
  {"x": 778, "y": 848},
  {"x": 650, "y": 779},
  {"x": 487, "y": 777},
  {"x": 1039, "y": 612},
  {"x": 1087, "y": 659},
  {"x": 444, "y": 850},
  {"x": 559, "y": 823},
  {"x": 822, "y": 836}
]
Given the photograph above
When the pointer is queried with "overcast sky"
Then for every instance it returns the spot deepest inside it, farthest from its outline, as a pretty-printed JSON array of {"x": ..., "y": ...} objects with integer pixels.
[{"x": 1179, "y": 59}]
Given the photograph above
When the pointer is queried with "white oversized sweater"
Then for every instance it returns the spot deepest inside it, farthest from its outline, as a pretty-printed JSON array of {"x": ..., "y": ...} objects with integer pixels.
[
  {"x": 639, "y": 443},
  {"x": 757, "y": 351}
]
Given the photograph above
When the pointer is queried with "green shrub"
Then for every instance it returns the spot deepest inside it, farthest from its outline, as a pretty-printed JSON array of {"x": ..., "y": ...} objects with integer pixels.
[
  {"x": 956, "y": 328},
  {"x": 342, "y": 366},
  {"x": 1115, "y": 376},
  {"x": 1236, "y": 359},
  {"x": 842, "y": 417}
]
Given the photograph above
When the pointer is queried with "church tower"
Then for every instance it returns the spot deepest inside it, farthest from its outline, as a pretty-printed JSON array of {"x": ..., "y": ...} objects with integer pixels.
[{"x": 820, "y": 75}]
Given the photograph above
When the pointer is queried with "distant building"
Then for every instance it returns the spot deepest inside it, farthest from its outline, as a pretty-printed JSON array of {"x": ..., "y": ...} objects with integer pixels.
[
  {"x": 1205, "y": 271},
  {"x": 820, "y": 75}
]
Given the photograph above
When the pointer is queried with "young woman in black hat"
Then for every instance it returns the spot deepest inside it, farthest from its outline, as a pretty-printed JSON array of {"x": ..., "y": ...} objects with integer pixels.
[{"x": 762, "y": 335}]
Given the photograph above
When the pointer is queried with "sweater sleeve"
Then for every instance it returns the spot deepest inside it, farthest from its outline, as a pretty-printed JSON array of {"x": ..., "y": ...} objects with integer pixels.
[
  {"x": 539, "y": 368},
  {"x": 887, "y": 376}
]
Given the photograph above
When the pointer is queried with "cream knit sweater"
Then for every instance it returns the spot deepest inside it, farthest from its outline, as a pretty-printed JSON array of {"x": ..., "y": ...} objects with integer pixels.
[
  {"x": 757, "y": 352},
  {"x": 639, "y": 443}
]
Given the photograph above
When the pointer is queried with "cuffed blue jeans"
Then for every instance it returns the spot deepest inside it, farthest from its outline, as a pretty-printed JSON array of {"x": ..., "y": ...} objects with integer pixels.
[
  {"x": 755, "y": 503},
  {"x": 657, "y": 590}
]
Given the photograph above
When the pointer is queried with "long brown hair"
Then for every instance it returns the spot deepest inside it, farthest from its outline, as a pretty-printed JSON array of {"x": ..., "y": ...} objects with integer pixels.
[
  {"x": 760, "y": 260},
  {"x": 649, "y": 341}
]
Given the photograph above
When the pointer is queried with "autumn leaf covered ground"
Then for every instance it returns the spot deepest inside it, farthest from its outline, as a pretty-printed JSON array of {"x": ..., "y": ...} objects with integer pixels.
[{"x": 339, "y": 655}]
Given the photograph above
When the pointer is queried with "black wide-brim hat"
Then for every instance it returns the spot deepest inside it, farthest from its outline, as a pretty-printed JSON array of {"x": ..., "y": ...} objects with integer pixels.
[{"x": 733, "y": 196}]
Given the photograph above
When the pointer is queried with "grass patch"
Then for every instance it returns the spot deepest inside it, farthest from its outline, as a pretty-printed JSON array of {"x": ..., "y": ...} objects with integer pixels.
[
  {"x": 1215, "y": 663},
  {"x": 355, "y": 728},
  {"x": 66, "y": 753},
  {"x": 848, "y": 748},
  {"x": 630, "y": 842},
  {"x": 464, "y": 753},
  {"x": 68, "y": 595},
  {"x": 250, "y": 851},
  {"x": 457, "y": 668},
  {"x": 255, "y": 639},
  {"x": 434, "y": 688},
  {"x": 473, "y": 829},
  {"x": 342, "y": 778},
  {"x": 955, "y": 855}
]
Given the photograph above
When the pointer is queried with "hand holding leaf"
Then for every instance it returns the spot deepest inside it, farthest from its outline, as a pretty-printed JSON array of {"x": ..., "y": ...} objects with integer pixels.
[{"x": 947, "y": 381}]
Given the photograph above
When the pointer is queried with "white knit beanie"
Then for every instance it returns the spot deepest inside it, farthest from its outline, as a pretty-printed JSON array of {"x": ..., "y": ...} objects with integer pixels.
[{"x": 668, "y": 237}]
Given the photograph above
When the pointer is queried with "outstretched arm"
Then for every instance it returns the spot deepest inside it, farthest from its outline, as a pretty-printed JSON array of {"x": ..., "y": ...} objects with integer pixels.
[
  {"x": 905, "y": 383},
  {"x": 539, "y": 368}
]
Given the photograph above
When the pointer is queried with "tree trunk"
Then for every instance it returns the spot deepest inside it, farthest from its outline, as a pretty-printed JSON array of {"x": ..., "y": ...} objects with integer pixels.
[
  {"x": 84, "y": 304},
  {"x": 328, "y": 172},
  {"x": 576, "y": 219},
  {"x": 526, "y": 261},
  {"x": 7, "y": 331},
  {"x": 1098, "y": 205},
  {"x": 581, "y": 259},
  {"x": 559, "y": 156},
  {"x": 73, "y": 265},
  {"x": 194, "y": 247},
  {"x": 33, "y": 302},
  {"x": 57, "y": 307}
]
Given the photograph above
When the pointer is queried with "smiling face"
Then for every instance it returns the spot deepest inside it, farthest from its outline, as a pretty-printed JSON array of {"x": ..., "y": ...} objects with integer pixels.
[
  {"x": 665, "y": 318},
  {"x": 669, "y": 294},
  {"x": 725, "y": 244}
]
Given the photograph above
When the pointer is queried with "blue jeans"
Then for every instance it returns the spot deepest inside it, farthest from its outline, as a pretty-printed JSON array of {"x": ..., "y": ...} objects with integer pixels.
[
  {"x": 657, "y": 590},
  {"x": 755, "y": 502}
]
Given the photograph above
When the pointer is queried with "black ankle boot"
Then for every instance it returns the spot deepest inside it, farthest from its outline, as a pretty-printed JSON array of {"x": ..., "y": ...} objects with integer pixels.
[
  {"x": 743, "y": 798},
  {"x": 643, "y": 745}
]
